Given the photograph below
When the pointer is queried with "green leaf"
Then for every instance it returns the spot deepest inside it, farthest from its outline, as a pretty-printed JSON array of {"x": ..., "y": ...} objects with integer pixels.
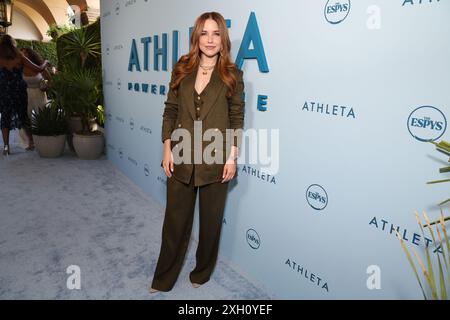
[
  {"x": 438, "y": 181},
  {"x": 413, "y": 266},
  {"x": 442, "y": 145}
]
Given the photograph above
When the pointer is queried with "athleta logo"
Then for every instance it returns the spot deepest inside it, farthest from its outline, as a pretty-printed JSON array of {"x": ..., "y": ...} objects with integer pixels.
[
  {"x": 146, "y": 170},
  {"x": 337, "y": 11},
  {"x": 253, "y": 239},
  {"x": 427, "y": 123},
  {"x": 131, "y": 124},
  {"x": 317, "y": 197}
]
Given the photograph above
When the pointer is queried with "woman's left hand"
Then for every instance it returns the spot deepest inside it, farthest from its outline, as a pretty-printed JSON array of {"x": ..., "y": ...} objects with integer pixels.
[{"x": 229, "y": 170}]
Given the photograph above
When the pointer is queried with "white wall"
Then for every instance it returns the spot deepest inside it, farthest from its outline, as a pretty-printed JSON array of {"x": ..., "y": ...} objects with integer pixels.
[
  {"x": 348, "y": 98},
  {"x": 23, "y": 28}
]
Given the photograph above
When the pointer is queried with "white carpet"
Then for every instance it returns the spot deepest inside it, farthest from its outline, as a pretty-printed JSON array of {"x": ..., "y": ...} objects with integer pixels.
[{"x": 55, "y": 213}]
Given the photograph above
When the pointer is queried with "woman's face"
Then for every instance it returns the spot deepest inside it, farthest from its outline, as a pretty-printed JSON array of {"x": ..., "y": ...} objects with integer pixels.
[{"x": 210, "y": 41}]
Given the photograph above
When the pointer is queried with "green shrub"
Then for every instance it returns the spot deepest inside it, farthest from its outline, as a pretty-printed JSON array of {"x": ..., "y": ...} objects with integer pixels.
[{"x": 46, "y": 49}]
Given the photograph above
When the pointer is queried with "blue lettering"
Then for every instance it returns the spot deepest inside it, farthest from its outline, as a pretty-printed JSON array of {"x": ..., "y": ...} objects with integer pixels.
[
  {"x": 416, "y": 237},
  {"x": 146, "y": 41},
  {"x": 262, "y": 103},
  {"x": 174, "y": 47},
  {"x": 134, "y": 58},
  {"x": 252, "y": 35},
  {"x": 160, "y": 52},
  {"x": 374, "y": 221}
]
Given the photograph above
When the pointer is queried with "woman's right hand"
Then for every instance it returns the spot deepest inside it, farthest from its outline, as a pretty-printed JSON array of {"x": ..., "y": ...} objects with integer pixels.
[{"x": 168, "y": 159}]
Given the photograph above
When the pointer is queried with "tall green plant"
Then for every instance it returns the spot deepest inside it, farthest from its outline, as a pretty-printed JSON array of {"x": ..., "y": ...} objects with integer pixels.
[
  {"x": 77, "y": 93},
  {"x": 442, "y": 147},
  {"x": 437, "y": 282},
  {"x": 79, "y": 84},
  {"x": 80, "y": 46}
]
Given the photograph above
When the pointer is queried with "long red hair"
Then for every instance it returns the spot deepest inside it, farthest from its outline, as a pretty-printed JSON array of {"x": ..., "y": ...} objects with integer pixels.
[{"x": 189, "y": 62}]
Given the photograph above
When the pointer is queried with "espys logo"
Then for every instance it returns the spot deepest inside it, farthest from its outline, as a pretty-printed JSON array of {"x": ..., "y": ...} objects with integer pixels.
[
  {"x": 108, "y": 50},
  {"x": 253, "y": 239},
  {"x": 146, "y": 170},
  {"x": 117, "y": 8},
  {"x": 427, "y": 123},
  {"x": 131, "y": 124},
  {"x": 317, "y": 197},
  {"x": 109, "y": 116},
  {"x": 119, "y": 84},
  {"x": 120, "y": 153},
  {"x": 337, "y": 11}
]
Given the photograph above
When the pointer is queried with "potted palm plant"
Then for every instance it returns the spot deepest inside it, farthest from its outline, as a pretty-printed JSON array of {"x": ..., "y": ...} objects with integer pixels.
[
  {"x": 435, "y": 283},
  {"x": 49, "y": 128},
  {"x": 80, "y": 88}
]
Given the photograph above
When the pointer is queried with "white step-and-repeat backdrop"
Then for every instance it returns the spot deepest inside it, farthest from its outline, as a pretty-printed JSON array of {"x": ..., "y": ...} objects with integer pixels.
[{"x": 342, "y": 93}]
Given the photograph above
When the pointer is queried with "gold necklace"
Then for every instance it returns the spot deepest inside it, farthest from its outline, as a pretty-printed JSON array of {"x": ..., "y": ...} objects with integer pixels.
[{"x": 206, "y": 69}]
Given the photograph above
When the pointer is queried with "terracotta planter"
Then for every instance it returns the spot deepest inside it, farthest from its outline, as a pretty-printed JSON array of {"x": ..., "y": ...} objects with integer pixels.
[
  {"x": 50, "y": 146},
  {"x": 89, "y": 147}
]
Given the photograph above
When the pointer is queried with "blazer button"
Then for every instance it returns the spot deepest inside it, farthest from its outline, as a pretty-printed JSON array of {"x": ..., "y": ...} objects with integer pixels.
[{"x": 198, "y": 109}]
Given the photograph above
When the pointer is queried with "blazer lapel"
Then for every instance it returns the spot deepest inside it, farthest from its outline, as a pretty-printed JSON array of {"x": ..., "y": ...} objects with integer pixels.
[
  {"x": 188, "y": 88},
  {"x": 212, "y": 93}
]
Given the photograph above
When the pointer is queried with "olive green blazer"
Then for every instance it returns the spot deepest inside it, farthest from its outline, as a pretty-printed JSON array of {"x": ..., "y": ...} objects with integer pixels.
[{"x": 218, "y": 113}]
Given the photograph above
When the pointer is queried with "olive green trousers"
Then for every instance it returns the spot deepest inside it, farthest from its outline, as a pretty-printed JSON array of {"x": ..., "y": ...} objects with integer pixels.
[{"x": 177, "y": 227}]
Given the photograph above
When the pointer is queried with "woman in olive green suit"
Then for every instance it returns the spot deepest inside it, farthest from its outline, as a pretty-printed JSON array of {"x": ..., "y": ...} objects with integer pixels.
[{"x": 205, "y": 95}]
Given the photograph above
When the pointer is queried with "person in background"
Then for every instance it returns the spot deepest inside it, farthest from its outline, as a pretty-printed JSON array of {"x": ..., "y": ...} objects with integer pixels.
[
  {"x": 36, "y": 90},
  {"x": 13, "y": 89}
]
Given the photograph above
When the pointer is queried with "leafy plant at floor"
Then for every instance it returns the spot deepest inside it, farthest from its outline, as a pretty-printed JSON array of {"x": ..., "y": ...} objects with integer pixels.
[
  {"x": 49, "y": 121},
  {"x": 77, "y": 93},
  {"x": 438, "y": 283},
  {"x": 443, "y": 147}
]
